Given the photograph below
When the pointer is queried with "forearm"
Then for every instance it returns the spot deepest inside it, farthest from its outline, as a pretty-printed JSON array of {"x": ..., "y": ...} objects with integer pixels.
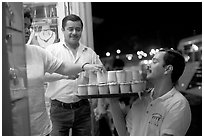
[
  {"x": 69, "y": 69},
  {"x": 118, "y": 119},
  {"x": 53, "y": 77}
]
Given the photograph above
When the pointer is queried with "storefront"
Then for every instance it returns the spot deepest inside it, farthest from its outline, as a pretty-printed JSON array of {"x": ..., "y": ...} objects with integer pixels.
[{"x": 46, "y": 28}]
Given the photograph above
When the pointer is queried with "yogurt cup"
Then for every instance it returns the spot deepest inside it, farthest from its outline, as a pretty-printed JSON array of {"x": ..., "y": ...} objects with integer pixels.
[
  {"x": 125, "y": 87},
  {"x": 111, "y": 76},
  {"x": 136, "y": 76},
  {"x": 82, "y": 89},
  {"x": 92, "y": 89},
  {"x": 101, "y": 77},
  {"x": 113, "y": 88},
  {"x": 128, "y": 76},
  {"x": 103, "y": 89},
  {"x": 137, "y": 86},
  {"x": 121, "y": 76}
]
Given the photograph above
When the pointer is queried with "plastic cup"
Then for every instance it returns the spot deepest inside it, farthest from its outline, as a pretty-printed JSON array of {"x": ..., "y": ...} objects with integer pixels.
[
  {"x": 101, "y": 77},
  {"x": 121, "y": 77},
  {"x": 112, "y": 76},
  {"x": 82, "y": 90},
  {"x": 113, "y": 88},
  {"x": 103, "y": 89},
  {"x": 92, "y": 77},
  {"x": 125, "y": 87},
  {"x": 136, "y": 76},
  {"x": 137, "y": 86},
  {"x": 128, "y": 76},
  {"x": 92, "y": 89}
]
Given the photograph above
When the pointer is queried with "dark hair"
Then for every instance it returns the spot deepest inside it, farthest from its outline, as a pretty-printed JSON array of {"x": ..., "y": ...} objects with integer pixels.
[
  {"x": 174, "y": 58},
  {"x": 27, "y": 14},
  {"x": 71, "y": 17}
]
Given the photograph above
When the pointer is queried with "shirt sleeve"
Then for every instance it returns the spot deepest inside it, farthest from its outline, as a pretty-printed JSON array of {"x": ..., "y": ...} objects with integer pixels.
[
  {"x": 51, "y": 63},
  {"x": 177, "y": 120}
]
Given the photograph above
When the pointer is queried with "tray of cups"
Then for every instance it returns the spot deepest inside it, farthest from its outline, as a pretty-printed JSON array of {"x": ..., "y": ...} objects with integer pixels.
[{"x": 111, "y": 90}]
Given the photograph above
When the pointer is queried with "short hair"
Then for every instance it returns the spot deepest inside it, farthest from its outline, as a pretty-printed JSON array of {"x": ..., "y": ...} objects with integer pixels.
[
  {"x": 27, "y": 14},
  {"x": 174, "y": 58},
  {"x": 71, "y": 17}
]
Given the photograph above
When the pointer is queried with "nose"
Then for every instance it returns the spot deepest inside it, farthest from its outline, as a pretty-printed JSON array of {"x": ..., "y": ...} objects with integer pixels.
[{"x": 74, "y": 31}]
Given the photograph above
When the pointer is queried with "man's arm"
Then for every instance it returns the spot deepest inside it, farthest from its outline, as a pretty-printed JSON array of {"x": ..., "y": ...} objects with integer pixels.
[
  {"x": 55, "y": 77},
  {"x": 73, "y": 69},
  {"x": 118, "y": 117}
]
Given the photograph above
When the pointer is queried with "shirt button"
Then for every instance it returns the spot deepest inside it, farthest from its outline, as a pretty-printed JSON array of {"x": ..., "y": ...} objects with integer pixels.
[
  {"x": 147, "y": 112},
  {"x": 150, "y": 104}
]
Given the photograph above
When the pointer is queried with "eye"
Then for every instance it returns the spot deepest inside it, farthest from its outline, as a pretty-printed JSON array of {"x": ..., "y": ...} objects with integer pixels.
[
  {"x": 154, "y": 61},
  {"x": 78, "y": 29},
  {"x": 70, "y": 29}
]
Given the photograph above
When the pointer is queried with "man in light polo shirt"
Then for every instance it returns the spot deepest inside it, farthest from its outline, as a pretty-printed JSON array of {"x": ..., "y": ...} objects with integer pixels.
[{"x": 163, "y": 111}]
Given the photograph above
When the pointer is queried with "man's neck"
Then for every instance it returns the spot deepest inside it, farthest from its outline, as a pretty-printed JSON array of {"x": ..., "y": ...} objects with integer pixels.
[
  {"x": 161, "y": 88},
  {"x": 72, "y": 46}
]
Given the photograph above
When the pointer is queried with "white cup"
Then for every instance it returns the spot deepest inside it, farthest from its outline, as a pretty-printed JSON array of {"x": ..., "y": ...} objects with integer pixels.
[
  {"x": 101, "y": 77},
  {"x": 103, "y": 89},
  {"x": 92, "y": 77},
  {"x": 92, "y": 89},
  {"x": 121, "y": 76},
  {"x": 82, "y": 90},
  {"x": 113, "y": 88},
  {"x": 125, "y": 87},
  {"x": 112, "y": 76},
  {"x": 136, "y": 76},
  {"x": 137, "y": 86},
  {"x": 128, "y": 76}
]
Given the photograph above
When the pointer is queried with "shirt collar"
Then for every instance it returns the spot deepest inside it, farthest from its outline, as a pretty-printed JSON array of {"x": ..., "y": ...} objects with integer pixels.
[
  {"x": 168, "y": 94},
  {"x": 81, "y": 48},
  {"x": 165, "y": 96}
]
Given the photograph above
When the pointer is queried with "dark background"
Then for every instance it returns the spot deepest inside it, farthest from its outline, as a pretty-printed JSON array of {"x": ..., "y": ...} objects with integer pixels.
[{"x": 133, "y": 26}]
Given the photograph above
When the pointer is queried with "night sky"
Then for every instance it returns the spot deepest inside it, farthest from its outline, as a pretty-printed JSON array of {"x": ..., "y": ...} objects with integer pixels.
[{"x": 133, "y": 26}]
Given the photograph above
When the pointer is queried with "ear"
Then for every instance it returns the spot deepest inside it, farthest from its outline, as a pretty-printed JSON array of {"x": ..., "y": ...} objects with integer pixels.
[{"x": 168, "y": 68}]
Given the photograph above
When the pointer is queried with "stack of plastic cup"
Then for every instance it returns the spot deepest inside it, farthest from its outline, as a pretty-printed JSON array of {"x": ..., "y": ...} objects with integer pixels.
[{"x": 121, "y": 76}]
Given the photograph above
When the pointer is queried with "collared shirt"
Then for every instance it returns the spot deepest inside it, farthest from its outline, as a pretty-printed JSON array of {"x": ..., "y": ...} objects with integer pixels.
[
  {"x": 65, "y": 90},
  {"x": 168, "y": 114},
  {"x": 39, "y": 61}
]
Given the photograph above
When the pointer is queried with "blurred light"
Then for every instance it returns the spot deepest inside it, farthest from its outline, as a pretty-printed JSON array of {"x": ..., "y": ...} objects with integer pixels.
[
  {"x": 140, "y": 57},
  {"x": 145, "y": 54},
  {"x": 117, "y": 57},
  {"x": 152, "y": 52},
  {"x": 194, "y": 47},
  {"x": 157, "y": 50},
  {"x": 186, "y": 57},
  {"x": 118, "y": 51},
  {"x": 129, "y": 56},
  {"x": 107, "y": 54},
  {"x": 145, "y": 61}
]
